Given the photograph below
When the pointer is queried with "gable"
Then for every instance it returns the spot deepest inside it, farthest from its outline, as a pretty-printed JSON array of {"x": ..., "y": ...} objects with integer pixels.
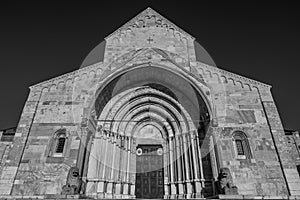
[{"x": 148, "y": 30}]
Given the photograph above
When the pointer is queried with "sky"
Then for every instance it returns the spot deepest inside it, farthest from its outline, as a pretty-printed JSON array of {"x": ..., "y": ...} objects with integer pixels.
[{"x": 44, "y": 39}]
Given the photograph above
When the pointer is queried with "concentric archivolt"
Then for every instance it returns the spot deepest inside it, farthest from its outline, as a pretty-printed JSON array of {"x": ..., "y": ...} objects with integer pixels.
[{"x": 129, "y": 111}]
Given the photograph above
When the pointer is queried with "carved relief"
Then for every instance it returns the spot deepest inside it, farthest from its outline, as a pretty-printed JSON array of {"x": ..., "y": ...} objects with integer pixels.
[
  {"x": 74, "y": 185},
  {"x": 225, "y": 183}
]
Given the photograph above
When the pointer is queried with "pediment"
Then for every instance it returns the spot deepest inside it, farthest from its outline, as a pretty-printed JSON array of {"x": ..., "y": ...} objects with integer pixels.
[{"x": 149, "y": 18}]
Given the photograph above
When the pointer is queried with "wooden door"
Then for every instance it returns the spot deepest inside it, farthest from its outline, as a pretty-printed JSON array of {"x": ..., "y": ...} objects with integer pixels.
[{"x": 149, "y": 176}]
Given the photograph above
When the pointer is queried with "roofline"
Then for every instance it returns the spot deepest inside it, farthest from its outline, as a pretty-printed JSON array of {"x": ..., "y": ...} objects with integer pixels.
[
  {"x": 141, "y": 14},
  {"x": 233, "y": 74},
  {"x": 66, "y": 74}
]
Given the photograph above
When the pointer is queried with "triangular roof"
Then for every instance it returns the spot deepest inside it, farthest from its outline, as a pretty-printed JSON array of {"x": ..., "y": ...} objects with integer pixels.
[
  {"x": 149, "y": 12},
  {"x": 134, "y": 22}
]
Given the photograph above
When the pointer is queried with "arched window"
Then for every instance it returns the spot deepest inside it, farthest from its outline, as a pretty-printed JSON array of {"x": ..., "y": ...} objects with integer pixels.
[
  {"x": 58, "y": 144},
  {"x": 241, "y": 145}
]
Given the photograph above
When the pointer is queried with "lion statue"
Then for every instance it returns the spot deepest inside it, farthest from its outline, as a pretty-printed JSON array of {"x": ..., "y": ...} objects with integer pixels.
[
  {"x": 74, "y": 183},
  {"x": 225, "y": 183}
]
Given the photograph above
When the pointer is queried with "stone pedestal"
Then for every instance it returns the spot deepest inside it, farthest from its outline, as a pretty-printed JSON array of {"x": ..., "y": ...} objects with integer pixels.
[
  {"x": 117, "y": 192},
  {"x": 125, "y": 189},
  {"x": 100, "y": 196},
  {"x": 132, "y": 190},
  {"x": 198, "y": 188},
  {"x": 189, "y": 190},
  {"x": 173, "y": 191},
  {"x": 109, "y": 190},
  {"x": 100, "y": 187}
]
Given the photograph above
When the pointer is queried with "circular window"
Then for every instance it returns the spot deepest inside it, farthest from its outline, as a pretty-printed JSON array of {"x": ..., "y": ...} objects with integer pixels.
[
  {"x": 139, "y": 151},
  {"x": 159, "y": 151}
]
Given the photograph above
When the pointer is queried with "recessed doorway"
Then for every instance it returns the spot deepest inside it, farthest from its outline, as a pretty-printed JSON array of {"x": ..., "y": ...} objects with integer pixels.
[{"x": 149, "y": 172}]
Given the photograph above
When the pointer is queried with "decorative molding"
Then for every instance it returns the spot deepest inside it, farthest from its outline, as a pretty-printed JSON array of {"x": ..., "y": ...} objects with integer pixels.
[
  {"x": 129, "y": 56},
  {"x": 235, "y": 77},
  {"x": 68, "y": 75},
  {"x": 142, "y": 17}
]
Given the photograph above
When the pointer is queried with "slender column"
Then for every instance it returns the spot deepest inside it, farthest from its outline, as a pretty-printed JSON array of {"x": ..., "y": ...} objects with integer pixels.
[
  {"x": 123, "y": 155},
  {"x": 179, "y": 168},
  {"x": 93, "y": 160},
  {"x": 93, "y": 176},
  {"x": 200, "y": 162},
  {"x": 172, "y": 167},
  {"x": 192, "y": 167},
  {"x": 108, "y": 157},
  {"x": 117, "y": 167},
  {"x": 103, "y": 162},
  {"x": 181, "y": 144},
  {"x": 116, "y": 159},
  {"x": 111, "y": 158},
  {"x": 123, "y": 164},
  {"x": 121, "y": 159},
  {"x": 92, "y": 170},
  {"x": 188, "y": 139},
  {"x": 197, "y": 181},
  {"x": 133, "y": 168},
  {"x": 187, "y": 167},
  {"x": 99, "y": 156},
  {"x": 127, "y": 167},
  {"x": 166, "y": 170}
]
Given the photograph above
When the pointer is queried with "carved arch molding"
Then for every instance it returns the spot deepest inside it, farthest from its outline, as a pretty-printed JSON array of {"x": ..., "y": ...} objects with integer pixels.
[{"x": 149, "y": 106}]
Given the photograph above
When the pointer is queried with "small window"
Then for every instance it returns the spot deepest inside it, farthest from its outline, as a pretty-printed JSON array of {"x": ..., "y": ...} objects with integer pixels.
[
  {"x": 239, "y": 147},
  {"x": 58, "y": 143},
  {"x": 242, "y": 147}
]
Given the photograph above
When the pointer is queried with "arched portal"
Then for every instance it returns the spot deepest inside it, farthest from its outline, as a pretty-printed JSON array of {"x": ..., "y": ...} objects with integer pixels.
[{"x": 150, "y": 127}]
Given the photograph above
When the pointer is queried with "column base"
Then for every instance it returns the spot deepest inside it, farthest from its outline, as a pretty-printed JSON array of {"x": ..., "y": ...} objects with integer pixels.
[
  {"x": 109, "y": 187},
  {"x": 126, "y": 196},
  {"x": 189, "y": 196},
  {"x": 198, "y": 187},
  {"x": 180, "y": 189},
  {"x": 100, "y": 187},
  {"x": 132, "y": 190},
  {"x": 173, "y": 191},
  {"x": 118, "y": 188},
  {"x": 100, "y": 195},
  {"x": 189, "y": 190},
  {"x": 108, "y": 195},
  {"x": 198, "y": 196},
  {"x": 126, "y": 189},
  {"x": 118, "y": 196}
]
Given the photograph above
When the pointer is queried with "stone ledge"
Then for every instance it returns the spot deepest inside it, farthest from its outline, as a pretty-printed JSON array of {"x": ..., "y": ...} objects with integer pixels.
[
  {"x": 229, "y": 197},
  {"x": 65, "y": 197}
]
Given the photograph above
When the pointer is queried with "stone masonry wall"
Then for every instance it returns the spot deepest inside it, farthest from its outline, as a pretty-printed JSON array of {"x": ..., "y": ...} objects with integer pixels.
[
  {"x": 288, "y": 164},
  {"x": 12, "y": 153},
  {"x": 237, "y": 103},
  {"x": 239, "y": 108}
]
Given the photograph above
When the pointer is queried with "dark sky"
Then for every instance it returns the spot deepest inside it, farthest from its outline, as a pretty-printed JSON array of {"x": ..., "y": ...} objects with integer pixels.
[{"x": 41, "y": 40}]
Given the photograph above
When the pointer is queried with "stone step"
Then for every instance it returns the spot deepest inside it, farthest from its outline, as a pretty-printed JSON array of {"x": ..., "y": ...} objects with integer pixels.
[{"x": 72, "y": 197}]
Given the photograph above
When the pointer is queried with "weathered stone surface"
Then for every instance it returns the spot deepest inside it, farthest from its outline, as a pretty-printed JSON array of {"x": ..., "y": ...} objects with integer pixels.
[{"x": 149, "y": 71}]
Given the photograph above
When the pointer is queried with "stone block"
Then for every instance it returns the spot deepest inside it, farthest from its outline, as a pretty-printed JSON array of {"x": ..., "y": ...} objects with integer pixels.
[
  {"x": 295, "y": 191},
  {"x": 235, "y": 103}
]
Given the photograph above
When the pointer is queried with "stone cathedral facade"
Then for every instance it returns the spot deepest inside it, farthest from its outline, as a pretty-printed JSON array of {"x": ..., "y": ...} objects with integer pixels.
[{"x": 148, "y": 115}]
